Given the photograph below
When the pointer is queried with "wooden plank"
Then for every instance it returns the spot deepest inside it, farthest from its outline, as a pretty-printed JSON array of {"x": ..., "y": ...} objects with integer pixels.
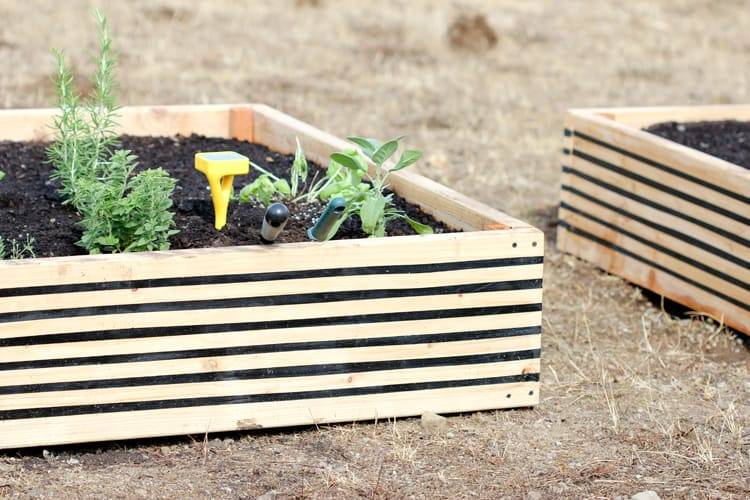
[
  {"x": 241, "y": 123},
  {"x": 695, "y": 163},
  {"x": 734, "y": 269},
  {"x": 124, "y": 425},
  {"x": 217, "y": 364},
  {"x": 155, "y": 295},
  {"x": 641, "y": 117},
  {"x": 641, "y": 189},
  {"x": 279, "y": 336},
  {"x": 209, "y": 316},
  {"x": 687, "y": 227},
  {"x": 278, "y": 131},
  {"x": 639, "y": 168},
  {"x": 404, "y": 250},
  {"x": 264, "y": 385},
  {"x": 658, "y": 281},
  {"x": 210, "y": 120}
]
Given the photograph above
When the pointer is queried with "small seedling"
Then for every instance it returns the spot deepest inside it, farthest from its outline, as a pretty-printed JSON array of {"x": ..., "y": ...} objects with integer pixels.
[
  {"x": 369, "y": 199},
  {"x": 268, "y": 186},
  {"x": 274, "y": 220},
  {"x": 19, "y": 249}
]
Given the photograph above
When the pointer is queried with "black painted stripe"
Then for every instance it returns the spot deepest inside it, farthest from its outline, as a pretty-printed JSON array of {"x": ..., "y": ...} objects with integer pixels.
[
  {"x": 270, "y": 276},
  {"x": 66, "y": 411},
  {"x": 662, "y": 187},
  {"x": 645, "y": 201},
  {"x": 164, "y": 331},
  {"x": 665, "y": 250},
  {"x": 431, "y": 338},
  {"x": 272, "y": 372},
  {"x": 273, "y": 300},
  {"x": 660, "y": 227},
  {"x": 608, "y": 244},
  {"x": 665, "y": 168}
]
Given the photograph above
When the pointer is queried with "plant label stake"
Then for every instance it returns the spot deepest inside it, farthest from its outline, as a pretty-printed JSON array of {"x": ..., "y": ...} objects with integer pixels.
[
  {"x": 273, "y": 222},
  {"x": 220, "y": 169},
  {"x": 326, "y": 225}
]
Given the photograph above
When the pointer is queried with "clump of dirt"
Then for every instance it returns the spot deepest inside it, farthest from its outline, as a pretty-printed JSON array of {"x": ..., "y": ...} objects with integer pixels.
[
  {"x": 471, "y": 32},
  {"x": 30, "y": 204},
  {"x": 728, "y": 140}
]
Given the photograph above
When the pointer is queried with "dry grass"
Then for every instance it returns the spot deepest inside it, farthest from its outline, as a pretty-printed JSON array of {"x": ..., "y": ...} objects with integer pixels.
[{"x": 632, "y": 399}]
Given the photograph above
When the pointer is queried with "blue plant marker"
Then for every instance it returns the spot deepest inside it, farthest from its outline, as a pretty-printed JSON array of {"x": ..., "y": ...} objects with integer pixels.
[{"x": 324, "y": 228}]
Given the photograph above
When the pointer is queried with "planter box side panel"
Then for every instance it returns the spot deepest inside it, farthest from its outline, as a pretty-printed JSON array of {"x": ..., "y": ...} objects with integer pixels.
[
  {"x": 129, "y": 346},
  {"x": 681, "y": 231}
]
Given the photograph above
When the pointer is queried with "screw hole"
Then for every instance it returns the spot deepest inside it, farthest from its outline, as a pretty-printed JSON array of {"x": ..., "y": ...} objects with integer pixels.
[
  {"x": 507, "y": 395},
  {"x": 533, "y": 244},
  {"x": 515, "y": 245},
  {"x": 531, "y": 393}
]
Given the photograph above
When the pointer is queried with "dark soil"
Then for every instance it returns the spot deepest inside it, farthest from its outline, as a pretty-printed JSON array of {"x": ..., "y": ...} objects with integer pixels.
[
  {"x": 29, "y": 202},
  {"x": 728, "y": 140}
]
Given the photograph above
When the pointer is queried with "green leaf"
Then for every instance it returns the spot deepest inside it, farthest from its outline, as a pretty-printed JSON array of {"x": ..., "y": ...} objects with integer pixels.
[
  {"x": 368, "y": 144},
  {"x": 346, "y": 160},
  {"x": 261, "y": 189},
  {"x": 372, "y": 213},
  {"x": 384, "y": 152},
  {"x": 2, "y": 174},
  {"x": 408, "y": 158},
  {"x": 282, "y": 187},
  {"x": 418, "y": 227},
  {"x": 299, "y": 169}
]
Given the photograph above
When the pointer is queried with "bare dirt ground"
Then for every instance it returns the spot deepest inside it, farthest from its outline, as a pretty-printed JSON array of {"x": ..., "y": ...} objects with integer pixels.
[{"x": 632, "y": 399}]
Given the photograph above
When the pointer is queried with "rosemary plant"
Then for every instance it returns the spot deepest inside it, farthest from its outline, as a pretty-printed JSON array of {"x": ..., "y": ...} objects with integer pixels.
[{"x": 121, "y": 212}]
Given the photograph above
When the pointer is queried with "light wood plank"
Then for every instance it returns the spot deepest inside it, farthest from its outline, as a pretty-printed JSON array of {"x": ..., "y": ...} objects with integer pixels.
[
  {"x": 268, "y": 313},
  {"x": 269, "y": 360},
  {"x": 397, "y": 281},
  {"x": 263, "y": 337},
  {"x": 401, "y": 250},
  {"x": 149, "y": 423},
  {"x": 265, "y": 386}
]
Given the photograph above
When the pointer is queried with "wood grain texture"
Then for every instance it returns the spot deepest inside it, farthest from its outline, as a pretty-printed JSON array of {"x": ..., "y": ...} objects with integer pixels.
[
  {"x": 192, "y": 341},
  {"x": 669, "y": 218}
]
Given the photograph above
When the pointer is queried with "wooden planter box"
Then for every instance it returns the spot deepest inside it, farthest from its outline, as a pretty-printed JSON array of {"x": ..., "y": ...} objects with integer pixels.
[
  {"x": 662, "y": 215},
  {"x": 193, "y": 341}
]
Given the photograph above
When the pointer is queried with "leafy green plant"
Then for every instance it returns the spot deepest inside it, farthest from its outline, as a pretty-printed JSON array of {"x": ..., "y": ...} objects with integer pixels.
[
  {"x": 266, "y": 187},
  {"x": 348, "y": 171},
  {"x": 17, "y": 248},
  {"x": 121, "y": 212}
]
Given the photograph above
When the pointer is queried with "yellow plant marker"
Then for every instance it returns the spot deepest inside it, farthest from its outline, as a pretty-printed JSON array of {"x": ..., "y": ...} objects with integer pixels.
[{"x": 220, "y": 168}]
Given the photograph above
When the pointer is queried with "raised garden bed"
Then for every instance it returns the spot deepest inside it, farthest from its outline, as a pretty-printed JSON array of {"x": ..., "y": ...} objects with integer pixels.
[
  {"x": 663, "y": 215},
  {"x": 245, "y": 337}
]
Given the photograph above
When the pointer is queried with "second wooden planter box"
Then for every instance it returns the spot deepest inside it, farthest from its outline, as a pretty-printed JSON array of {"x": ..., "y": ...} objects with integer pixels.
[
  {"x": 662, "y": 215},
  {"x": 194, "y": 341}
]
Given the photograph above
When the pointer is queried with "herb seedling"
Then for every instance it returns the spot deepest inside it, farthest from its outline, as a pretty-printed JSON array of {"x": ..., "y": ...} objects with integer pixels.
[
  {"x": 19, "y": 249},
  {"x": 121, "y": 212},
  {"x": 368, "y": 199},
  {"x": 268, "y": 186}
]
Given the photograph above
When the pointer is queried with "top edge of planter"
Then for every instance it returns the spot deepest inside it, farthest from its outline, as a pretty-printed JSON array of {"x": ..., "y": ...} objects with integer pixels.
[
  {"x": 262, "y": 124},
  {"x": 626, "y": 125}
]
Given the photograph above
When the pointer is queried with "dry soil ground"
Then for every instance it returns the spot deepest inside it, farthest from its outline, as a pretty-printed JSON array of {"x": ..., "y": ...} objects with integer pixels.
[{"x": 632, "y": 399}]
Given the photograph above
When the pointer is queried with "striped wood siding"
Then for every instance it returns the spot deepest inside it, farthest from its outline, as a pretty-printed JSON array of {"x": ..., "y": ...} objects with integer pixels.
[
  {"x": 157, "y": 351},
  {"x": 679, "y": 234}
]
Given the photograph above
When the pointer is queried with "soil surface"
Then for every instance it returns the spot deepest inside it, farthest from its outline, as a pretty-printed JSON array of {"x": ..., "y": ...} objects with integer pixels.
[
  {"x": 728, "y": 140},
  {"x": 29, "y": 202}
]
